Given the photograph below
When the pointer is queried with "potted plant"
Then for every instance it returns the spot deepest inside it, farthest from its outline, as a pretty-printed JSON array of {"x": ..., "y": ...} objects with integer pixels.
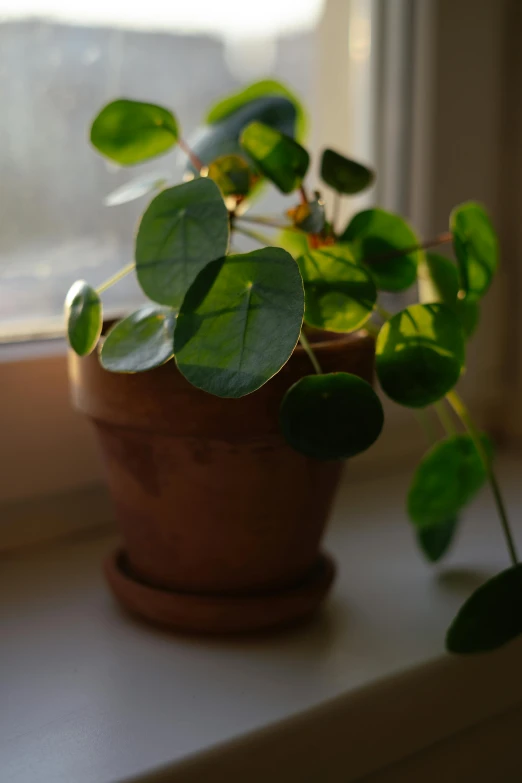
[{"x": 226, "y": 406}]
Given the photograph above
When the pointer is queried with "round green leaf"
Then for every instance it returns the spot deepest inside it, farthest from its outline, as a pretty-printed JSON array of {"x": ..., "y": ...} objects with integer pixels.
[
  {"x": 231, "y": 174},
  {"x": 181, "y": 231},
  {"x": 435, "y": 540},
  {"x": 491, "y": 617},
  {"x": 439, "y": 282},
  {"x": 130, "y": 132},
  {"x": 339, "y": 294},
  {"x": 331, "y": 417},
  {"x": 277, "y": 156},
  {"x": 136, "y": 188},
  {"x": 476, "y": 248},
  {"x": 240, "y": 322},
  {"x": 295, "y": 242},
  {"x": 141, "y": 341},
  {"x": 84, "y": 317},
  {"x": 344, "y": 175},
  {"x": 447, "y": 478},
  {"x": 376, "y": 237},
  {"x": 420, "y": 354}
]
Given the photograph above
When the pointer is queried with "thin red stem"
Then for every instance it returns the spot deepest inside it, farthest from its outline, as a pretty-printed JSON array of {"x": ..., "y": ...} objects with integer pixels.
[
  {"x": 196, "y": 162},
  {"x": 442, "y": 239}
]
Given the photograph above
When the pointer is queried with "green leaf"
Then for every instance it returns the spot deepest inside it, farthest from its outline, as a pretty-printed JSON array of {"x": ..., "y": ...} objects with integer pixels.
[
  {"x": 344, "y": 175},
  {"x": 420, "y": 354},
  {"x": 130, "y": 132},
  {"x": 376, "y": 237},
  {"x": 136, "y": 188},
  {"x": 331, "y": 417},
  {"x": 476, "y": 248},
  {"x": 231, "y": 174},
  {"x": 309, "y": 217},
  {"x": 141, "y": 341},
  {"x": 492, "y": 616},
  {"x": 295, "y": 242},
  {"x": 84, "y": 317},
  {"x": 277, "y": 156},
  {"x": 447, "y": 478},
  {"x": 240, "y": 322},
  {"x": 439, "y": 282},
  {"x": 181, "y": 231},
  {"x": 339, "y": 294},
  {"x": 435, "y": 540}
]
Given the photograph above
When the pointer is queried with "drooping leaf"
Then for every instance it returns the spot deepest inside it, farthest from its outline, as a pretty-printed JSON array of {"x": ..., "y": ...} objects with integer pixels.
[
  {"x": 295, "y": 242},
  {"x": 240, "y": 322},
  {"x": 446, "y": 480},
  {"x": 309, "y": 217},
  {"x": 492, "y": 616},
  {"x": 376, "y": 238},
  {"x": 84, "y": 317},
  {"x": 231, "y": 174},
  {"x": 435, "y": 540},
  {"x": 331, "y": 417},
  {"x": 136, "y": 188},
  {"x": 181, "y": 231},
  {"x": 344, "y": 175},
  {"x": 130, "y": 132},
  {"x": 476, "y": 248},
  {"x": 141, "y": 341},
  {"x": 439, "y": 282},
  {"x": 277, "y": 156},
  {"x": 420, "y": 354},
  {"x": 339, "y": 294}
]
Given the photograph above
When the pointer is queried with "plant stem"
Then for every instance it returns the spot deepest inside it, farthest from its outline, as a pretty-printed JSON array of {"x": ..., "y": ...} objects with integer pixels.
[
  {"x": 304, "y": 197},
  {"x": 445, "y": 418},
  {"x": 383, "y": 312},
  {"x": 335, "y": 212},
  {"x": 371, "y": 328},
  {"x": 261, "y": 238},
  {"x": 426, "y": 424},
  {"x": 263, "y": 221},
  {"x": 115, "y": 278},
  {"x": 196, "y": 162},
  {"x": 462, "y": 412},
  {"x": 441, "y": 239},
  {"x": 311, "y": 355}
]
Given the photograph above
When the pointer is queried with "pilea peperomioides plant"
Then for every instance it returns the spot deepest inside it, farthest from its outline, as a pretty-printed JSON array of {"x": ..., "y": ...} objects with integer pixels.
[{"x": 230, "y": 321}]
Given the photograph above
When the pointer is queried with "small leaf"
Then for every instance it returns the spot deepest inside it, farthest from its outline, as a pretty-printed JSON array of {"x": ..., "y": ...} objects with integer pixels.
[
  {"x": 439, "y": 282},
  {"x": 295, "y": 242},
  {"x": 141, "y": 341},
  {"x": 136, "y": 188},
  {"x": 181, "y": 231},
  {"x": 435, "y": 540},
  {"x": 277, "y": 156},
  {"x": 331, "y": 417},
  {"x": 344, "y": 175},
  {"x": 376, "y": 237},
  {"x": 309, "y": 217},
  {"x": 476, "y": 248},
  {"x": 420, "y": 354},
  {"x": 231, "y": 174},
  {"x": 240, "y": 322},
  {"x": 339, "y": 294},
  {"x": 492, "y": 616},
  {"x": 84, "y": 317},
  {"x": 447, "y": 478},
  {"x": 130, "y": 132}
]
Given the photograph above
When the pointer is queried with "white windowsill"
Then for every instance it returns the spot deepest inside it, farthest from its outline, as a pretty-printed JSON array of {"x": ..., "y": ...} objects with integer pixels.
[{"x": 92, "y": 696}]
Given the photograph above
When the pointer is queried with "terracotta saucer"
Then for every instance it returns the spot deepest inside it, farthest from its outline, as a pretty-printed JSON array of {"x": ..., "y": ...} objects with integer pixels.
[{"x": 219, "y": 614}]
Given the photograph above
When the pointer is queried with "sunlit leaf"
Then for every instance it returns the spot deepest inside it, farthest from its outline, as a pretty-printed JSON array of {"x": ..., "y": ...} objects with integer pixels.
[
  {"x": 277, "y": 156},
  {"x": 84, "y": 317},
  {"x": 492, "y": 616},
  {"x": 240, "y": 322},
  {"x": 181, "y": 231},
  {"x": 376, "y": 238},
  {"x": 435, "y": 540},
  {"x": 344, "y": 175},
  {"x": 476, "y": 248},
  {"x": 439, "y": 282},
  {"x": 231, "y": 174},
  {"x": 130, "y": 132},
  {"x": 420, "y": 354},
  {"x": 309, "y": 217},
  {"x": 331, "y": 417},
  {"x": 136, "y": 188},
  {"x": 141, "y": 341},
  {"x": 295, "y": 242},
  {"x": 339, "y": 294}
]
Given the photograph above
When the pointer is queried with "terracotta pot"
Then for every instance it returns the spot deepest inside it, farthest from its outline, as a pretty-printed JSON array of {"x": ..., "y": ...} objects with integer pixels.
[{"x": 209, "y": 497}]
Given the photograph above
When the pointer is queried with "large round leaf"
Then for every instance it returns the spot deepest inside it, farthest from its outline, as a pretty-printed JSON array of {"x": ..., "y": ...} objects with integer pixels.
[
  {"x": 240, "y": 322},
  {"x": 439, "y": 282},
  {"x": 331, "y": 417},
  {"x": 377, "y": 238},
  {"x": 448, "y": 477},
  {"x": 181, "y": 231},
  {"x": 277, "y": 156},
  {"x": 476, "y": 248},
  {"x": 232, "y": 175},
  {"x": 141, "y": 341},
  {"x": 420, "y": 354},
  {"x": 84, "y": 317},
  {"x": 339, "y": 294},
  {"x": 344, "y": 175},
  {"x": 491, "y": 617},
  {"x": 130, "y": 132},
  {"x": 435, "y": 540},
  {"x": 295, "y": 242}
]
